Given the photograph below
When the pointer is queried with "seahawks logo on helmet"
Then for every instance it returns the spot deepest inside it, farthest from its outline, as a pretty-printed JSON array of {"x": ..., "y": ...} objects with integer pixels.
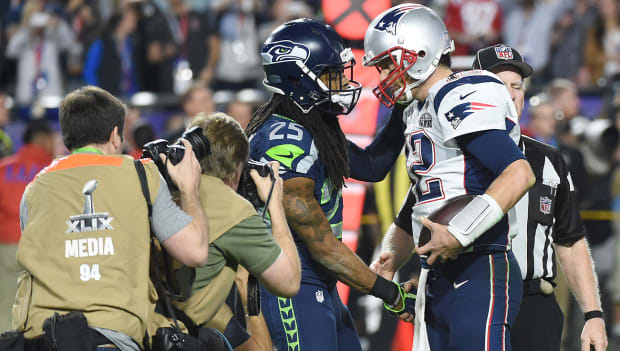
[
  {"x": 285, "y": 50},
  {"x": 389, "y": 21}
]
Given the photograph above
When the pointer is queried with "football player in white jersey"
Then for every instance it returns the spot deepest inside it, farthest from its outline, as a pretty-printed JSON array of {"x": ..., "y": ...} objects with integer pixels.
[{"x": 461, "y": 138}]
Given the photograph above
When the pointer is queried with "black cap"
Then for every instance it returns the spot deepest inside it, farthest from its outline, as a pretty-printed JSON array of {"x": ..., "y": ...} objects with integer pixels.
[{"x": 499, "y": 55}]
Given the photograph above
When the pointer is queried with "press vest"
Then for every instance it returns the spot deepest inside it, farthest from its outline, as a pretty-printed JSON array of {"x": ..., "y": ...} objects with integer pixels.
[
  {"x": 225, "y": 209},
  {"x": 86, "y": 245}
]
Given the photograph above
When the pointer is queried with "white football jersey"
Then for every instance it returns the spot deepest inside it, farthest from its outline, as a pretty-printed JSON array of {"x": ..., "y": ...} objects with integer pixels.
[{"x": 464, "y": 103}]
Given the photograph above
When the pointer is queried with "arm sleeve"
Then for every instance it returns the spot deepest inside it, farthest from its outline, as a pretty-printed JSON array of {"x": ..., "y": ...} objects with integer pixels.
[
  {"x": 494, "y": 149},
  {"x": 373, "y": 163},
  {"x": 250, "y": 244},
  {"x": 168, "y": 218},
  {"x": 92, "y": 62},
  {"x": 568, "y": 227},
  {"x": 403, "y": 219}
]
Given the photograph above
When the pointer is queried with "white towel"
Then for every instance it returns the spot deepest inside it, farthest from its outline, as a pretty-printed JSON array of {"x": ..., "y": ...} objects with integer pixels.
[{"x": 420, "y": 338}]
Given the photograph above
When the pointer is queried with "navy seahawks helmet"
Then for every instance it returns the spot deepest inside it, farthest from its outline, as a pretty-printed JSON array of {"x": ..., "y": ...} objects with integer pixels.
[{"x": 296, "y": 55}]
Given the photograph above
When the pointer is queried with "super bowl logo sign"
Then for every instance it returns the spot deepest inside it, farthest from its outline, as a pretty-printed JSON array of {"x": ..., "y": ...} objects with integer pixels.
[
  {"x": 545, "y": 205},
  {"x": 390, "y": 19},
  {"x": 503, "y": 52},
  {"x": 285, "y": 50}
]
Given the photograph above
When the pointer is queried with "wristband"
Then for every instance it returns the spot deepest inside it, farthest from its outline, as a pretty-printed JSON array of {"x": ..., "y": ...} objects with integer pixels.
[
  {"x": 478, "y": 216},
  {"x": 386, "y": 290},
  {"x": 408, "y": 300},
  {"x": 592, "y": 314}
]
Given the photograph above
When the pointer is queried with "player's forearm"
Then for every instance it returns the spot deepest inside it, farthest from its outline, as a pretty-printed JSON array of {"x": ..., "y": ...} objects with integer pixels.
[
  {"x": 332, "y": 254},
  {"x": 511, "y": 184},
  {"x": 578, "y": 269},
  {"x": 308, "y": 221},
  {"x": 399, "y": 243}
]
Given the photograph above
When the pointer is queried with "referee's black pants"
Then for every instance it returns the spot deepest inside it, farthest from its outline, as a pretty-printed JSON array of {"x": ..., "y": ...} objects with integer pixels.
[{"x": 539, "y": 324}]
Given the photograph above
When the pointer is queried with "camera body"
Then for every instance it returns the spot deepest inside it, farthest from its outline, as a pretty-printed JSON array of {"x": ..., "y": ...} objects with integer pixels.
[
  {"x": 247, "y": 188},
  {"x": 174, "y": 153}
]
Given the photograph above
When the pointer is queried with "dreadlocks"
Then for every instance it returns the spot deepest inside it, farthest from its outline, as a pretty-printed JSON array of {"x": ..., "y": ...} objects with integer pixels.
[{"x": 324, "y": 128}]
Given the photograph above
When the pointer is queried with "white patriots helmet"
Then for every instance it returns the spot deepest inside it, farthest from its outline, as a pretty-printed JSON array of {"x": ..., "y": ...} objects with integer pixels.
[{"x": 414, "y": 38}]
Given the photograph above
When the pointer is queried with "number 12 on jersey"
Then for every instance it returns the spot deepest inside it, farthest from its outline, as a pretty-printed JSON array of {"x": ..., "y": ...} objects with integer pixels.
[{"x": 419, "y": 163}]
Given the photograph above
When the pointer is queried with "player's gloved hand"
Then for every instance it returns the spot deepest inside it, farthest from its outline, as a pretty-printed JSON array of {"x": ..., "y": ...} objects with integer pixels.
[{"x": 408, "y": 305}]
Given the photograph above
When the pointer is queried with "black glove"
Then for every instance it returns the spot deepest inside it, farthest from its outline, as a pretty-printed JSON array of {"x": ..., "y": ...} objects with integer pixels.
[{"x": 408, "y": 306}]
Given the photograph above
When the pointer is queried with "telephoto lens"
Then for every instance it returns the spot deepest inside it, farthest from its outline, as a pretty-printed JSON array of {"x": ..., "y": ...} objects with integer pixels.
[{"x": 174, "y": 153}]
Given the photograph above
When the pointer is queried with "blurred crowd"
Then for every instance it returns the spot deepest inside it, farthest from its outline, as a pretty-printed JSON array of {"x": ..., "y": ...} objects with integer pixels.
[{"x": 170, "y": 59}]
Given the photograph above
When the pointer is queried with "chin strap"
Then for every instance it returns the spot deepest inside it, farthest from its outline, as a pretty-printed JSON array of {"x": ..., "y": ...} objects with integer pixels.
[{"x": 344, "y": 99}]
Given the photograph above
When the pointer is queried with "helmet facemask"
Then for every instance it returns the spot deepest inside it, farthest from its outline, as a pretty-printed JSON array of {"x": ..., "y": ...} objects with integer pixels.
[
  {"x": 341, "y": 92},
  {"x": 402, "y": 60}
]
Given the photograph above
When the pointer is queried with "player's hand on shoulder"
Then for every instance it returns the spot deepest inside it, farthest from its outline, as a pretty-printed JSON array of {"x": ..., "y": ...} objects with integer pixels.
[
  {"x": 442, "y": 245},
  {"x": 384, "y": 265}
]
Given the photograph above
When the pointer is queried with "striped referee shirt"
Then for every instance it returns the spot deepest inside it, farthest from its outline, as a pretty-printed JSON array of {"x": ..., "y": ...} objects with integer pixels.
[{"x": 547, "y": 213}]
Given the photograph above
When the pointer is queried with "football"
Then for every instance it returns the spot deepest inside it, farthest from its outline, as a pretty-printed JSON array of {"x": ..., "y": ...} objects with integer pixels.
[{"x": 444, "y": 214}]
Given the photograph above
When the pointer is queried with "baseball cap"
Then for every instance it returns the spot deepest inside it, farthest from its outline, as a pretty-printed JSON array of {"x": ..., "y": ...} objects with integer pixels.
[{"x": 501, "y": 55}]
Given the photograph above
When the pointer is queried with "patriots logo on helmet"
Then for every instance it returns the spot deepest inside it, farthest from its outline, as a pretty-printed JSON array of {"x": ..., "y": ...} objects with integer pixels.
[
  {"x": 459, "y": 112},
  {"x": 503, "y": 52},
  {"x": 389, "y": 21},
  {"x": 285, "y": 50}
]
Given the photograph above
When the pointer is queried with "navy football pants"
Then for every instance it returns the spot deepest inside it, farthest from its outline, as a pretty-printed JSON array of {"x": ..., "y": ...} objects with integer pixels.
[
  {"x": 473, "y": 302},
  {"x": 314, "y": 320}
]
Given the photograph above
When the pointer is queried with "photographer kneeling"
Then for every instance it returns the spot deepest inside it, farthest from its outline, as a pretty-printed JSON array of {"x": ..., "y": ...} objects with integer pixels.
[{"x": 238, "y": 235}]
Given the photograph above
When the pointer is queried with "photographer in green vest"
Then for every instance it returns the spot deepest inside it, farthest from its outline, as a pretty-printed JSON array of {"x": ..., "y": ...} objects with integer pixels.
[{"x": 238, "y": 235}]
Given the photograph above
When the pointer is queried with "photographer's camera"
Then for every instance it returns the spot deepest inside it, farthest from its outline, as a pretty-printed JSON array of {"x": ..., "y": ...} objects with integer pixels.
[{"x": 174, "y": 153}]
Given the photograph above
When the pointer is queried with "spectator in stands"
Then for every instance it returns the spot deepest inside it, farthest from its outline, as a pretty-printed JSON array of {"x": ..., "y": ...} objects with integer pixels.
[
  {"x": 563, "y": 94},
  {"x": 568, "y": 39},
  {"x": 200, "y": 45},
  {"x": 197, "y": 99},
  {"x": 473, "y": 24},
  {"x": 528, "y": 29},
  {"x": 284, "y": 11},
  {"x": 161, "y": 48},
  {"x": 141, "y": 133},
  {"x": 15, "y": 173},
  {"x": 602, "y": 49},
  {"x": 237, "y": 28},
  {"x": 110, "y": 60},
  {"x": 241, "y": 111},
  {"x": 37, "y": 45},
  {"x": 85, "y": 21},
  {"x": 543, "y": 123}
]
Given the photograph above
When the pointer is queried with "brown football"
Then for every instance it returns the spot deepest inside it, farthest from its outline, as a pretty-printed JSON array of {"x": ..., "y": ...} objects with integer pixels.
[{"x": 444, "y": 214}]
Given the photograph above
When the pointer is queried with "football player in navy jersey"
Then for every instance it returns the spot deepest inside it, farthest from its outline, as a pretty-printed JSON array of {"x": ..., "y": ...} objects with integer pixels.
[
  {"x": 461, "y": 138},
  {"x": 309, "y": 71}
]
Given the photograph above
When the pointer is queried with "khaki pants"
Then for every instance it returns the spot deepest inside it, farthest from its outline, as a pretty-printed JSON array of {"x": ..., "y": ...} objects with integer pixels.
[{"x": 9, "y": 269}]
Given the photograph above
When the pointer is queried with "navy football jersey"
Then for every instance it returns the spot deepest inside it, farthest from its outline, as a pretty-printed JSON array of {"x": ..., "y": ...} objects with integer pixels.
[{"x": 282, "y": 139}]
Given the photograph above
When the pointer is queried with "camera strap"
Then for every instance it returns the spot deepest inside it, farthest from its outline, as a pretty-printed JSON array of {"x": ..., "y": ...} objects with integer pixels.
[{"x": 155, "y": 262}]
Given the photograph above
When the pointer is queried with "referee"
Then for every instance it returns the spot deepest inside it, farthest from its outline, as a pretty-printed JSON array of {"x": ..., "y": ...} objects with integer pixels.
[{"x": 548, "y": 221}]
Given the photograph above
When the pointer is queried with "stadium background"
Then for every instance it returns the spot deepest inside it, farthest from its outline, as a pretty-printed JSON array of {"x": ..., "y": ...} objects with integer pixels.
[{"x": 169, "y": 47}]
